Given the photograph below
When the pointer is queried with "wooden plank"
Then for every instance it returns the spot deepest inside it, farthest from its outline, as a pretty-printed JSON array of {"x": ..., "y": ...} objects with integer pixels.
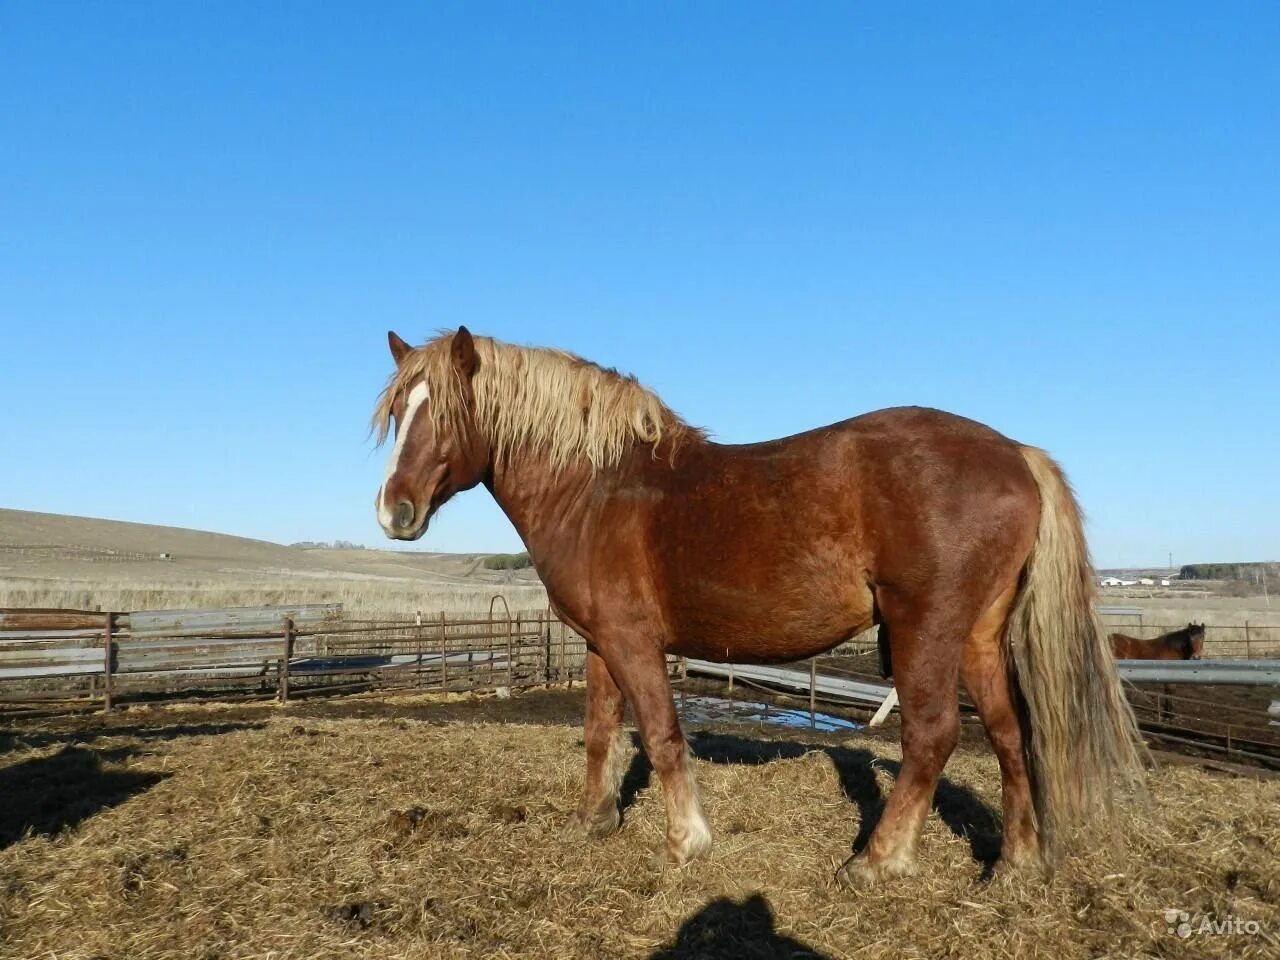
[
  {"x": 11, "y": 638},
  {"x": 255, "y": 646},
  {"x": 882, "y": 711},
  {"x": 50, "y": 619},
  {"x": 797, "y": 680},
  {"x": 178, "y": 660},
  {"x": 90, "y": 668},
  {"x": 161, "y": 665},
  {"x": 226, "y": 619},
  {"x": 12, "y": 659}
]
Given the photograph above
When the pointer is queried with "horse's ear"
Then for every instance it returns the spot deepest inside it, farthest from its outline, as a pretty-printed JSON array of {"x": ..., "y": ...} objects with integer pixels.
[
  {"x": 399, "y": 349},
  {"x": 463, "y": 351}
]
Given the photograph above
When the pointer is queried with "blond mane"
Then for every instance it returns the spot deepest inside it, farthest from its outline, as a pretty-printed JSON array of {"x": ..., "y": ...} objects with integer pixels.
[{"x": 538, "y": 399}]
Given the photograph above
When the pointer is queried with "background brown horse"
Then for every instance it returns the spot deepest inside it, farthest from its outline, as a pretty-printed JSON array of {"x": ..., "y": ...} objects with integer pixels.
[
  {"x": 1184, "y": 644},
  {"x": 964, "y": 546}
]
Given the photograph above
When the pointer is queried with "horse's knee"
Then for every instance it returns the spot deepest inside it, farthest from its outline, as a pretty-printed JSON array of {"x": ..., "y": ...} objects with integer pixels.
[{"x": 930, "y": 741}]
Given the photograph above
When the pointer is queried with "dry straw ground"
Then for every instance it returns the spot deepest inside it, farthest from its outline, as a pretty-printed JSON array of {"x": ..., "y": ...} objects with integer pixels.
[{"x": 373, "y": 831}]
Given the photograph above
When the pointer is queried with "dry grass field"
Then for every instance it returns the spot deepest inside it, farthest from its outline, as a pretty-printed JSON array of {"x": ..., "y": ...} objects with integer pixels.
[
  {"x": 48, "y": 560},
  {"x": 417, "y": 827}
]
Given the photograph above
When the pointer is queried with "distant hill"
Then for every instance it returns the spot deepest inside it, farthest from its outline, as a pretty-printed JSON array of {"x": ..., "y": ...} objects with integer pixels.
[
  {"x": 77, "y": 538},
  {"x": 54, "y": 560}
]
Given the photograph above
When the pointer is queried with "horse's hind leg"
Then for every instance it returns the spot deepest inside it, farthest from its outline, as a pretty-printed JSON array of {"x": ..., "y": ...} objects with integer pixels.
[
  {"x": 926, "y": 660},
  {"x": 985, "y": 672},
  {"x": 598, "y": 814}
]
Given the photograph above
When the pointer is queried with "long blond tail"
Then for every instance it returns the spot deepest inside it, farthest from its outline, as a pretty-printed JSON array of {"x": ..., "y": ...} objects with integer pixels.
[{"x": 1084, "y": 743}]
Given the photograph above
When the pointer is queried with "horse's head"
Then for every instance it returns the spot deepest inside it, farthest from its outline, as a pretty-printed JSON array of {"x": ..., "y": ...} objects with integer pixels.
[
  {"x": 433, "y": 457},
  {"x": 1195, "y": 640}
]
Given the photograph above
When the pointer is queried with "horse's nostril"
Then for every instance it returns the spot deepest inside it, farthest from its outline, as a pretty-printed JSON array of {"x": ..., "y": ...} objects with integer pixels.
[{"x": 404, "y": 514}]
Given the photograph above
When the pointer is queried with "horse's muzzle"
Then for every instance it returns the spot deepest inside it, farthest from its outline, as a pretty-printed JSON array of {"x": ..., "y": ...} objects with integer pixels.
[{"x": 404, "y": 514}]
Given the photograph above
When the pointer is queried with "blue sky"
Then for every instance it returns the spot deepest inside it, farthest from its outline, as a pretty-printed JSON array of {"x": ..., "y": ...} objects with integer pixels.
[{"x": 1063, "y": 220}]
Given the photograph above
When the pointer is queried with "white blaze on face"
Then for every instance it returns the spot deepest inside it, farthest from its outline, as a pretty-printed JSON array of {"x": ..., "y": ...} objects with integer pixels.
[{"x": 413, "y": 403}]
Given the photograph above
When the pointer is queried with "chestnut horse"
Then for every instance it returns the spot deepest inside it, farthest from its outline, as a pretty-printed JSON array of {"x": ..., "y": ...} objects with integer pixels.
[
  {"x": 966, "y": 547},
  {"x": 1184, "y": 644}
]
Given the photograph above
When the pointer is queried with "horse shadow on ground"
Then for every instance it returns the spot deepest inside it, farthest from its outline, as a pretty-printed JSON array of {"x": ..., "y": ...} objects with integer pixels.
[
  {"x": 47, "y": 795},
  {"x": 726, "y": 930},
  {"x": 964, "y": 813},
  {"x": 13, "y": 738}
]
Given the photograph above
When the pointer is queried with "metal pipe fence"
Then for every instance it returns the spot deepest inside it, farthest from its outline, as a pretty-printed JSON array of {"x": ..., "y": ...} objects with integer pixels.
[
  {"x": 281, "y": 651},
  {"x": 290, "y": 651}
]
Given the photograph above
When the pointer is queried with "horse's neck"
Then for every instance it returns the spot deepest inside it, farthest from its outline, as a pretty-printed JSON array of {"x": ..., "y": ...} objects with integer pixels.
[
  {"x": 545, "y": 505},
  {"x": 1178, "y": 641}
]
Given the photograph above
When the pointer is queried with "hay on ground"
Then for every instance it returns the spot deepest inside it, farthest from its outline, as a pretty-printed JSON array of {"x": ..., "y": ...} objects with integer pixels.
[{"x": 190, "y": 833}]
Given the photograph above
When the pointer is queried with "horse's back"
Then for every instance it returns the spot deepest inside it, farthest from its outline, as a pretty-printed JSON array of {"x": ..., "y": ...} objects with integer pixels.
[
  {"x": 789, "y": 536},
  {"x": 1123, "y": 646}
]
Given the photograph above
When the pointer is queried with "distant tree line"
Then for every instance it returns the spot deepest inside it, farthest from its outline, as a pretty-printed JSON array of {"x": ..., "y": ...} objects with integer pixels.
[
  {"x": 328, "y": 545},
  {"x": 507, "y": 561},
  {"x": 1251, "y": 572}
]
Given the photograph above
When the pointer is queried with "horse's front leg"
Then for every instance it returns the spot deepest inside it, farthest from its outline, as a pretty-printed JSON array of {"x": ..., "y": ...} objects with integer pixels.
[
  {"x": 598, "y": 814},
  {"x": 640, "y": 667}
]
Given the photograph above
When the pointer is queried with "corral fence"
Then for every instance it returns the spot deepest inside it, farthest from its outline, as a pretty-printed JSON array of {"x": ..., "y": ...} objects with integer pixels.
[
  {"x": 1224, "y": 708},
  {"x": 1223, "y": 705},
  {"x": 1222, "y": 641},
  {"x": 280, "y": 650},
  {"x": 287, "y": 651}
]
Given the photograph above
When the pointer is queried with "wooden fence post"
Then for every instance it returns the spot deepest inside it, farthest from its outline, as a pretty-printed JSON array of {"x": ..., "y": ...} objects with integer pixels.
[
  {"x": 287, "y": 651},
  {"x": 1248, "y": 649},
  {"x": 108, "y": 661}
]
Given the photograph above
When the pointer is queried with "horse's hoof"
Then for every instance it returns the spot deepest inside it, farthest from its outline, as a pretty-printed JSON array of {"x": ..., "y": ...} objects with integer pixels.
[
  {"x": 695, "y": 845},
  {"x": 594, "y": 826},
  {"x": 859, "y": 872},
  {"x": 667, "y": 858},
  {"x": 1018, "y": 863}
]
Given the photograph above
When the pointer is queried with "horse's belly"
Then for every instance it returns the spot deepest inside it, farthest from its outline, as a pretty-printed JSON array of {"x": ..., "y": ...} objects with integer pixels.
[{"x": 767, "y": 636}]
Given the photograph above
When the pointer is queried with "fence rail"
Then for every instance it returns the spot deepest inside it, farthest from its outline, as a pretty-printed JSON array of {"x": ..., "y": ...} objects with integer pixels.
[
  {"x": 60, "y": 654},
  {"x": 288, "y": 651}
]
